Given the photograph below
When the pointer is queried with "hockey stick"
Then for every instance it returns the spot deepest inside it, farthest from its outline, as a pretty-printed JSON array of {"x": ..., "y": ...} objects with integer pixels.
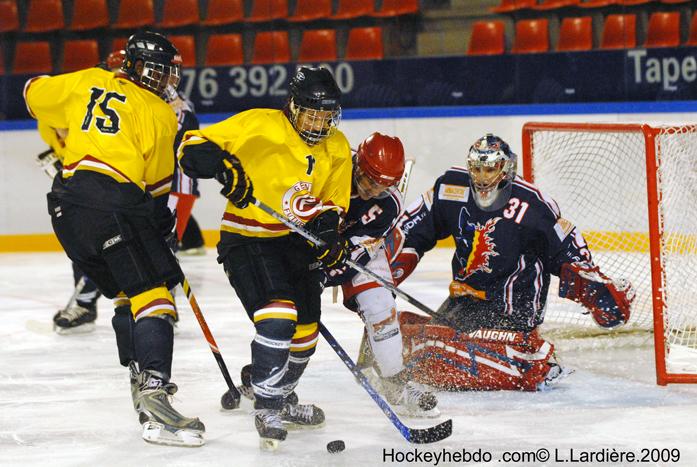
[
  {"x": 413, "y": 435},
  {"x": 231, "y": 399},
  {"x": 312, "y": 238}
]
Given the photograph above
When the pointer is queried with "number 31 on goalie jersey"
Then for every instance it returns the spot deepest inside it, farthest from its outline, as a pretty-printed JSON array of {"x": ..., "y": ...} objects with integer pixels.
[{"x": 517, "y": 209}]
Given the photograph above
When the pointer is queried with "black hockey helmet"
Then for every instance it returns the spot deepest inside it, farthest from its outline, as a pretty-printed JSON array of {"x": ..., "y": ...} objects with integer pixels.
[
  {"x": 314, "y": 107},
  {"x": 160, "y": 59}
]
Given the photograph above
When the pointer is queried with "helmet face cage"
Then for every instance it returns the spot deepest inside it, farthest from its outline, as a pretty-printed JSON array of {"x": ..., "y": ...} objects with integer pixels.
[
  {"x": 313, "y": 125},
  {"x": 492, "y": 168},
  {"x": 368, "y": 188},
  {"x": 160, "y": 62},
  {"x": 314, "y": 107}
]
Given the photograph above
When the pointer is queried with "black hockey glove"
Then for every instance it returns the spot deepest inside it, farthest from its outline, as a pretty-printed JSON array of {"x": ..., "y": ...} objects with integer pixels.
[
  {"x": 335, "y": 249},
  {"x": 237, "y": 187}
]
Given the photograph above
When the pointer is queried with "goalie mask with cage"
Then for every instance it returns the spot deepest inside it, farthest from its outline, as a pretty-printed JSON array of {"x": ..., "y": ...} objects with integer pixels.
[
  {"x": 314, "y": 107},
  {"x": 152, "y": 61},
  {"x": 379, "y": 165},
  {"x": 492, "y": 168}
]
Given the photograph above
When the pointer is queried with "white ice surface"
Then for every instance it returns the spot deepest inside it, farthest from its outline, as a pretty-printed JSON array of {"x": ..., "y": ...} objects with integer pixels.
[{"x": 64, "y": 400}]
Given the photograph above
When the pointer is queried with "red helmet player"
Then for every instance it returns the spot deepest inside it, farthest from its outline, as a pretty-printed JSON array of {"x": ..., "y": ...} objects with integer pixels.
[
  {"x": 379, "y": 165},
  {"x": 115, "y": 60}
]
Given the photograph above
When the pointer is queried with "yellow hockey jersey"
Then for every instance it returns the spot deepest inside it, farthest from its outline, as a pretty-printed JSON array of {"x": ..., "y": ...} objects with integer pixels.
[
  {"x": 114, "y": 127},
  {"x": 295, "y": 179},
  {"x": 53, "y": 139}
]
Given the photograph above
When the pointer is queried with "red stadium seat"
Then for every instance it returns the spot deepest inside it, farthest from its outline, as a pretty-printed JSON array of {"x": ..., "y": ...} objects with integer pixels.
[
  {"x": 597, "y": 3},
  {"x": 509, "y": 6},
  {"x": 44, "y": 16},
  {"x": 32, "y": 57},
  {"x": 2, "y": 62},
  {"x": 89, "y": 14},
  {"x": 224, "y": 50},
  {"x": 675, "y": 2},
  {"x": 187, "y": 49},
  {"x": 365, "y": 44},
  {"x": 349, "y": 9},
  {"x": 222, "y": 12},
  {"x": 576, "y": 34},
  {"x": 268, "y": 10},
  {"x": 531, "y": 36},
  {"x": 271, "y": 47},
  {"x": 318, "y": 45},
  {"x": 488, "y": 38},
  {"x": 118, "y": 43},
  {"x": 397, "y": 8},
  {"x": 554, "y": 4},
  {"x": 80, "y": 54},
  {"x": 619, "y": 32},
  {"x": 135, "y": 14},
  {"x": 663, "y": 30},
  {"x": 633, "y": 2},
  {"x": 311, "y": 10},
  {"x": 692, "y": 37},
  {"x": 9, "y": 20},
  {"x": 178, "y": 13}
]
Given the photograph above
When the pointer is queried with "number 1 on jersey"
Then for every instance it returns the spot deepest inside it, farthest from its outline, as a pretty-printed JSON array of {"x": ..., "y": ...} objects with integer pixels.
[{"x": 310, "y": 163}]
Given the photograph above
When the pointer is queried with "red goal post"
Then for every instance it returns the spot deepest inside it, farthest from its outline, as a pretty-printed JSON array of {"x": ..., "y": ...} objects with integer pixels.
[{"x": 632, "y": 191}]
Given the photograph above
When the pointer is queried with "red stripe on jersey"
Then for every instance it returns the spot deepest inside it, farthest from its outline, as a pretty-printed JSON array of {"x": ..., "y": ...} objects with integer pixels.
[
  {"x": 228, "y": 216},
  {"x": 157, "y": 185}
]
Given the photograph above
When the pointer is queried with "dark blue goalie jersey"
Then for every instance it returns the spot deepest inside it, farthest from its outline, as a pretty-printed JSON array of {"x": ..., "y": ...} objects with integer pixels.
[
  {"x": 365, "y": 224},
  {"x": 508, "y": 254}
]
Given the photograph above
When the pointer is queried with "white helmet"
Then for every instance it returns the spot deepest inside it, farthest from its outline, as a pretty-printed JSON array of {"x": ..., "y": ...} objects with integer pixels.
[{"x": 492, "y": 168}]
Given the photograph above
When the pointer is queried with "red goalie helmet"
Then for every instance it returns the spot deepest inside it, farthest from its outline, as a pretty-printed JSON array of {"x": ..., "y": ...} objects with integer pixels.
[{"x": 379, "y": 165}]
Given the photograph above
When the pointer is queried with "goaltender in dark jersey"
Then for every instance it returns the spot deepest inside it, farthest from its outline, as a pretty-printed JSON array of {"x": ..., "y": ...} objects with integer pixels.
[{"x": 502, "y": 258}]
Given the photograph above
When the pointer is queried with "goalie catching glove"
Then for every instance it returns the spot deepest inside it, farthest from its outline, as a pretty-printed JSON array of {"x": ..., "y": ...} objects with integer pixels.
[
  {"x": 608, "y": 301},
  {"x": 335, "y": 249},
  {"x": 237, "y": 187}
]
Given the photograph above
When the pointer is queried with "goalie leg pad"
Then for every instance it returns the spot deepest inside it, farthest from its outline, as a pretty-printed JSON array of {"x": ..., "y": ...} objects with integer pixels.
[
  {"x": 608, "y": 301},
  {"x": 378, "y": 311},
  {"x": 484, "y": 359},
  {"x": 404, "y": 264}
]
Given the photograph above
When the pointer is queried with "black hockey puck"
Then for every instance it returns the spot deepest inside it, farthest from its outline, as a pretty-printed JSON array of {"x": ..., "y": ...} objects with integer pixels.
[
  {"x": 335, "y": 446},
  {"x": 229, "y": 401}
]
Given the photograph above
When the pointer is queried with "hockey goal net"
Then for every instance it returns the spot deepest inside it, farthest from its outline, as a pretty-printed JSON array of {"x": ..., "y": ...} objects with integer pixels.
[{"x": 632, "y": 191}]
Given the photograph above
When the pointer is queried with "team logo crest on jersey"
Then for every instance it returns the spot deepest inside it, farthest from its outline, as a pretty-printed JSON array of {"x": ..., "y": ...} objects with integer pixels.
[
  {"x": 299, "y": 205},
  {"x": 482, "y": 248}
]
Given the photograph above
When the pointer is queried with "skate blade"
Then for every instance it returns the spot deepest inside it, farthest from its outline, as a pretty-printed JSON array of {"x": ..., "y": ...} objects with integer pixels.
[
  {"x": 298, "y": 426},
  {"x": 156, "y": 433},
  {"x": 269, "y": 444},
  {"x": 81, "y": 329}
]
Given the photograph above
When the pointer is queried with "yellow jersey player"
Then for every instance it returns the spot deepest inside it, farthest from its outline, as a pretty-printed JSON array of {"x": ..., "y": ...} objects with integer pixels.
[
  {"x": 108, "y": 208},
  {"x": 300, "y": 165}
]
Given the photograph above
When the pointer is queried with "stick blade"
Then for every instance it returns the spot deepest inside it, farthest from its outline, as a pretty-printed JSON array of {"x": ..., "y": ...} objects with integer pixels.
[{"x": 430, "y": 435}]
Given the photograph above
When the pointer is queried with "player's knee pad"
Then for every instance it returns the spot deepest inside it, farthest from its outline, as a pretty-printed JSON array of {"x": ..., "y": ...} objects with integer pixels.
[
  {"x": 153, "y": 303},
  {"x": 484, "y": 359},
  {"x": 378, "y": 311},
  {"x": 138, "y": 257},
  {"x": 404, "y": 264},
  {"x": 122, "y": 322},
  {"x": 304, "y": 342}
]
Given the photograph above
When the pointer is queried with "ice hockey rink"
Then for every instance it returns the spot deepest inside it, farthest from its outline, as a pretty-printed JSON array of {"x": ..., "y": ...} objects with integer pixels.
[{"x": 65, "y": 401}]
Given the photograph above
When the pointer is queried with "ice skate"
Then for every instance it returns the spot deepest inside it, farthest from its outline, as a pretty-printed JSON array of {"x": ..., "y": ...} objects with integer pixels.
[
  {"x": 270, "y": 428},
  {"x": 301, "y": 416},
  {"x": 408, "y": 399},
  {"x": 246, "y": 386},
  {"x": 555, "y": 374},
  {"x": 162, "y": 424},
  {"x": 194, "y": 251},
  {"x": 75, "y": 319}
]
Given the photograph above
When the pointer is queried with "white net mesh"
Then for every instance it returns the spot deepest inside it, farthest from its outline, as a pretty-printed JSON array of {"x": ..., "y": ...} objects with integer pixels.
[{"x": 598, "y": 178}]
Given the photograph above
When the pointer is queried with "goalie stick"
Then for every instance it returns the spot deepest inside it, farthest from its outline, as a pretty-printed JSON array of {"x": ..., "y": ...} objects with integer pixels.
[
  {"x": 231, "y": 399},
  {"x": 413, "y": 435},
  {"x": 312, "y": 238}
]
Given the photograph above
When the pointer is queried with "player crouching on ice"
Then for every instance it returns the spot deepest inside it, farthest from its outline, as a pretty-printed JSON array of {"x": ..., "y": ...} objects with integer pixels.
[
  {"x": 376, "y": 206},
  {"x": 509, "y": 237}
]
